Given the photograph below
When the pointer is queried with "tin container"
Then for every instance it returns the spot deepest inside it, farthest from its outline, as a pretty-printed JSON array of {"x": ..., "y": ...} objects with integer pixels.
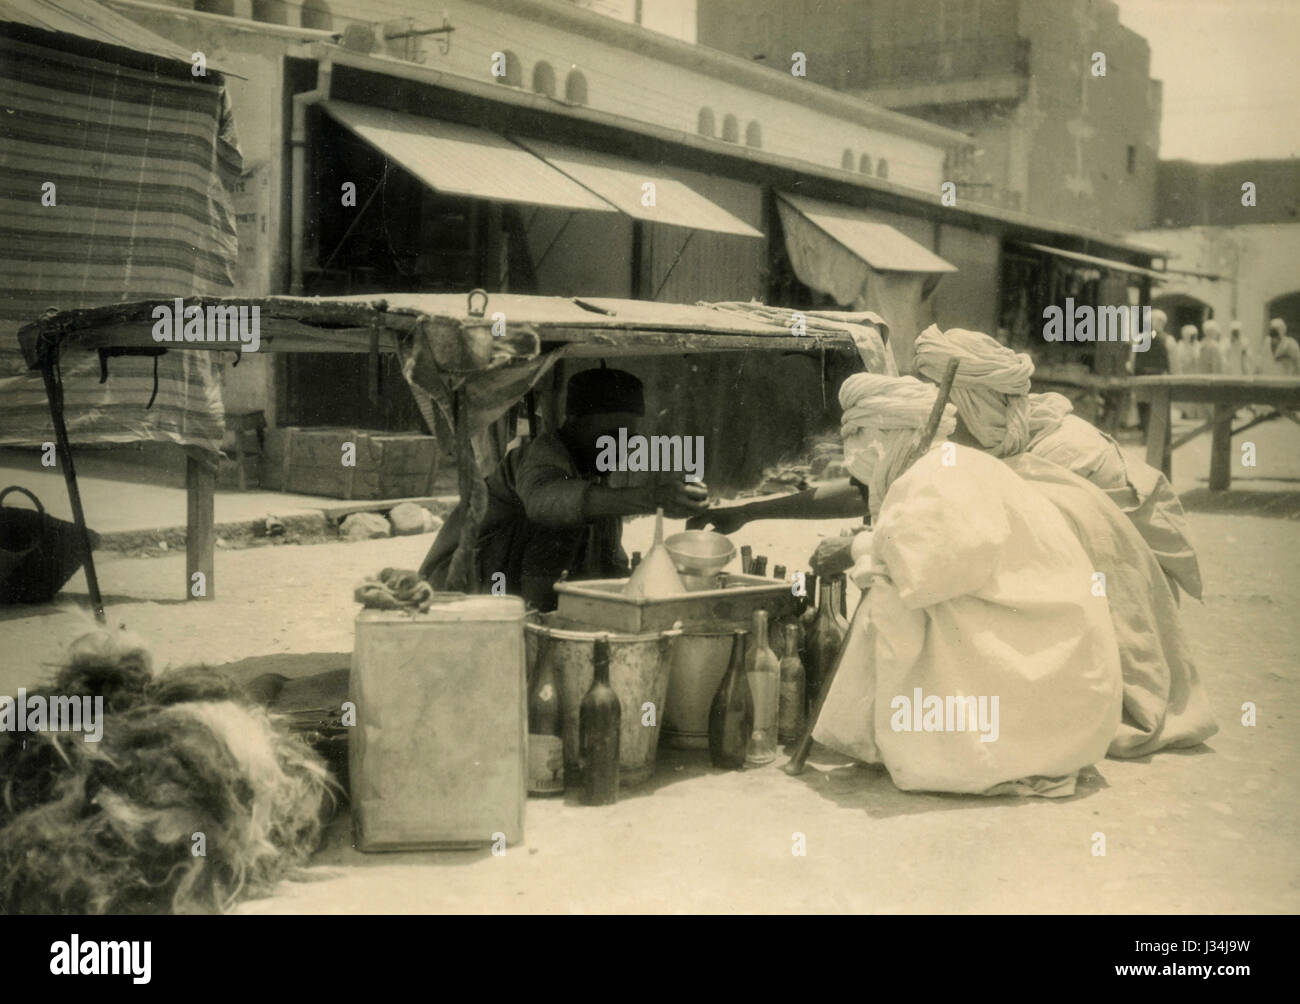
[
  {"x": 639, "y": 669},
  {"x": 437, "y": 754}
]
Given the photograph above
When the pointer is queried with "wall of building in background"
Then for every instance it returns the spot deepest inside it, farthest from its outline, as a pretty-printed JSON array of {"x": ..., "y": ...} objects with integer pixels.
[
  {"x": 1189, "y": 195},
  {"x": 1051, "y": 139},
  {"x": 1258, "y": 266},
  {"x": 968, "y": 298}
]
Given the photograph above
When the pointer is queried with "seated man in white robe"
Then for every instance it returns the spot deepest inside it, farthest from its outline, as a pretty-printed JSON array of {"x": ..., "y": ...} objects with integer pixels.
[
  {"x": 997, "y": 413},
  {"x": 1165, "y": 704},
  {"x": 982, "y": 663}
]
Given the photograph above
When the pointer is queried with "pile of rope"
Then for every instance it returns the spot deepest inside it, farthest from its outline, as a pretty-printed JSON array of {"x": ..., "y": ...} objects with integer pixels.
[
  {"x": 193, "y": 798},
  {"x": 395, "y": 589}
]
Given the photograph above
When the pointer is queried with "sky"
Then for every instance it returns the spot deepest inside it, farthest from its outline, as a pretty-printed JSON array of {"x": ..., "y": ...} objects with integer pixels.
[{"x": 1231, "y": 74}]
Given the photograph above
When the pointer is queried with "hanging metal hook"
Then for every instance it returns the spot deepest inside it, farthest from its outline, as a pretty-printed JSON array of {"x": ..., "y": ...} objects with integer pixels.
[{"x": 469, "y": 303}]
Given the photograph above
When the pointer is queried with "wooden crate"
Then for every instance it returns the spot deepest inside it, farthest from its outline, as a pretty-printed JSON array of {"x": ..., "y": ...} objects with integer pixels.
[{"x": 388, "y": 464}]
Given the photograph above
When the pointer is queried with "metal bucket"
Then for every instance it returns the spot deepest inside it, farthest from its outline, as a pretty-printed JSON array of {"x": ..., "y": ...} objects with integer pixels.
[
  {"x": 699, "y": 664},
  {"x": 639, "y": 668}
]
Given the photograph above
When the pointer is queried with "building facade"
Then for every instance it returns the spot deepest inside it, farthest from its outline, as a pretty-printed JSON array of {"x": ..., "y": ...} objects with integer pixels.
[
  {"x": 1053, "y": 137},
  {"x": 1233, "y": 235},
  {"x": 448, "y": 125}
]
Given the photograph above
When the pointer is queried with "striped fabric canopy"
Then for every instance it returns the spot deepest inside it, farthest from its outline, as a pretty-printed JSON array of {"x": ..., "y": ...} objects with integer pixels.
[{"x": 142, "y": 163}]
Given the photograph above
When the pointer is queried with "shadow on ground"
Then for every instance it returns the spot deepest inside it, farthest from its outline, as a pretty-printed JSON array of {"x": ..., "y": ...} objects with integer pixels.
[{"x": 1275, "y": 504}]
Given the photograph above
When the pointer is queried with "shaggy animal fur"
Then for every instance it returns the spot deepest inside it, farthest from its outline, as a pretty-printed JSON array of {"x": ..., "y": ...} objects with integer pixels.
[{"x": 108, "y": 827}]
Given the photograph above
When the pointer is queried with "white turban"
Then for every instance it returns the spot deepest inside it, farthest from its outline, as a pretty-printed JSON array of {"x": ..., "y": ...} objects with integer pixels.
[
  {"x": 1212, "y": 330},
  {"x": 881, "y": 423},
  {"x": 990, "y": 387},
  {"x": 1278, "y": 325},
  {"x": 1046, "y": 413},
  {"x": 1187, "y": 331}
]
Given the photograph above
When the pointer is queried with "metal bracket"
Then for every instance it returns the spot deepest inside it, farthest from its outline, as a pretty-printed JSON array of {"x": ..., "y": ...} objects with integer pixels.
[{"x": 443, "y": 33}]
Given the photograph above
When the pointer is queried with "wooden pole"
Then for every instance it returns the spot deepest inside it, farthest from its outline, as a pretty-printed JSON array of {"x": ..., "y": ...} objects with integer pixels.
[
  {"x": 1221, "y": 447},
  {"x": 54, "y": 397},
  {"x": 1159, "y": 455},
  {"x": 200, "y": 526}
]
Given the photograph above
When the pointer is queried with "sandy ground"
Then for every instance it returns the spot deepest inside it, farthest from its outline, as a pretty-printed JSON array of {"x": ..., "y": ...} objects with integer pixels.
[{"x": 1213, "y": 829}]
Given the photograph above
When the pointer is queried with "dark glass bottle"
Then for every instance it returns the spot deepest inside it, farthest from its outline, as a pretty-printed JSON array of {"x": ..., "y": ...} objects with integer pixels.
[
  {"x": 809, "y": 615},
  {"x": 760, "y": 565},
  {"x": 824, "y": 640},
  {"x": 731, "y": 716},
  {"x": 598, "y": 728},
  {"x": 791, "y": 718},
  {"x": 636, "y": 559},
  {"x": 778, "y": 572},
  {"x": 545, "y": 728}
]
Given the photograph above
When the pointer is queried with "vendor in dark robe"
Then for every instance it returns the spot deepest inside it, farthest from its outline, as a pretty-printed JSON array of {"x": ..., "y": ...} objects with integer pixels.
[{"x": 550, "y": 511}]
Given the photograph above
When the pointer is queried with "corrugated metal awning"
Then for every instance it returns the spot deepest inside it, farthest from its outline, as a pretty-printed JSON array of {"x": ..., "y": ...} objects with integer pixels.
[
  {"x": 1094, "y": 261},
  {"x": 622, "y": 182},
  {"x": 462, "y": 160},
  {"x": 878, "y": 244}
]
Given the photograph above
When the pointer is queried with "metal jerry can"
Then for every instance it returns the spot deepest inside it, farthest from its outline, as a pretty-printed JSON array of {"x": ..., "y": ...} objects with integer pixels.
[{"x": 437, "y": 757}]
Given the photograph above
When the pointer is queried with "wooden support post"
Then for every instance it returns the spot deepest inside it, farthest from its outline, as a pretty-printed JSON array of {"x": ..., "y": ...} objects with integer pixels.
[
  {"x": 1221, "y": 448},
  {"x": 200, "y": 525},
  {"x": 1159, "y": 455}
]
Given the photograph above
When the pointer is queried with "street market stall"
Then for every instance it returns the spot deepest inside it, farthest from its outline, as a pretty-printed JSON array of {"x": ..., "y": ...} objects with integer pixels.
[{"x": 466, "y": 360}]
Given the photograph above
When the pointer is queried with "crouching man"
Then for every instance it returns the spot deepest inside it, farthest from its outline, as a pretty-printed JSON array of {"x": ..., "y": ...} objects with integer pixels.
[
  {"x": 550, "y": 511},
  {"x": 982, "y": 662}
]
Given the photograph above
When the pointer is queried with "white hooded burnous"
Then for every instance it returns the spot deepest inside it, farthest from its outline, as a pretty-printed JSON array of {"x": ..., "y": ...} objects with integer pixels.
[{"x": 978, "y": 588}]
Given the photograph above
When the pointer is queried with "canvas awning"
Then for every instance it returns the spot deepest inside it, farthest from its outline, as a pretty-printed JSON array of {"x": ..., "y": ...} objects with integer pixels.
[
  {"x": 863, "y": 264},
  {"x": 462, "y": 160},
  {"x": 1107, "y": 264},
  {"x": 623, "y": 183}
]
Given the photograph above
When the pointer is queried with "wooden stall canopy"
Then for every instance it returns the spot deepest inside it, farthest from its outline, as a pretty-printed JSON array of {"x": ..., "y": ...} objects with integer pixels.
[
  {"x": 466, "y": 359},
  {"x": 594, "y": 326}
]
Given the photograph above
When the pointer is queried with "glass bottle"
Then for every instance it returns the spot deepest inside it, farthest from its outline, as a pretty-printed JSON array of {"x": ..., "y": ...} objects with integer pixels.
[
  {"x": 545, "y": 728},
  {"x": 760, "y": 565},
  {"x": 791, "y": 716},
  {"x": 598, "y": 729},
  {"x": 764, "y": 671},
  {"x": 824, "y": 640},
  {"x": 731, "y": 715},
  {"x": 808, "y": 617}
]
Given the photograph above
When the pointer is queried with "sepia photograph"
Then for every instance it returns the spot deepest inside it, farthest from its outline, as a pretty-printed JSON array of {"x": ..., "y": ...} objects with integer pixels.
[{"x": 649, "y": 457}]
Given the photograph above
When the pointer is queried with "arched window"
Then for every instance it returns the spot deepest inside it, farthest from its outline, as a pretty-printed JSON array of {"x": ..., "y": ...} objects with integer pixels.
[
  {"x": 864, "y": 164},
  {"x": 705, "y": 126},
  {"x": 753, "y": 134},
  {"x": 544, "y": 79},
  {"x": 846, "y": 160},
  {"x": 575, "y": 88},
  {"x": 316, "y": 14},
  {"x": 731, "y": 129},
  {"x": 271, "y": 11},
  {"x": 226, "y": 7},
  {"x": 882, "y": 168},
  {"x": 514, "y": 75}
]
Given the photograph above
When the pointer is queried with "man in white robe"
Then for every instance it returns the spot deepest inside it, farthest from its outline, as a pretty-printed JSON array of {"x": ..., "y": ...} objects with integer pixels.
[
  {"x": 979, "y": 590},
  {"x": 1164, "y": 702}
]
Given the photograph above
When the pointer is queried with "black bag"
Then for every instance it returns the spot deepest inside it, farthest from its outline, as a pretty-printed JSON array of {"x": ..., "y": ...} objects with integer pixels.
[{"x": 38, "y": 553}]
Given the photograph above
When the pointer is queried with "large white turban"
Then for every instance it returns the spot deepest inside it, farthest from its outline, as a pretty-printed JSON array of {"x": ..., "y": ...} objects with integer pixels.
[
  {"x": 990, "y": 387},
  {"x": 881, "y": 423}
]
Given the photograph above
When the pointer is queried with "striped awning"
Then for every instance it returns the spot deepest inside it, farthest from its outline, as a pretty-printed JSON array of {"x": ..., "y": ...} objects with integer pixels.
[
  {"x": 114, "y": 186},
  {"x": 642, "y": 191},
  {"x": 462, "y": 160}
]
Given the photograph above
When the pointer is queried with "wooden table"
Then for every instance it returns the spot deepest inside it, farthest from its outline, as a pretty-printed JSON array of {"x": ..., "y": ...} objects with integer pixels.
[{"x": 1228, "y": 394}]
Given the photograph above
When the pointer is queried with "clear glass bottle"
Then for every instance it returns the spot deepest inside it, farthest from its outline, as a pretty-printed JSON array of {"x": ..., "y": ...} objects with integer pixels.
[
  {"x": 791, "y": 719},
  {"x": 764, "y": 672}
]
